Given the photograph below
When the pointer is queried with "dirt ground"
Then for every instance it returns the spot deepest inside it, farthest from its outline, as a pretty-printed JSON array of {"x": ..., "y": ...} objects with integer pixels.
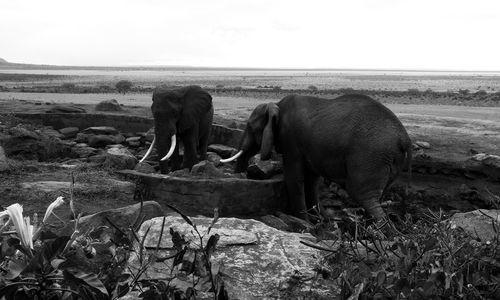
[{"x": 452, "y": 131}]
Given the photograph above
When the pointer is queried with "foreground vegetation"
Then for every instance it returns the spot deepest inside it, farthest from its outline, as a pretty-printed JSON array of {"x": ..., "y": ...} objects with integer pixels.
[{"x": 422, "y": 257}]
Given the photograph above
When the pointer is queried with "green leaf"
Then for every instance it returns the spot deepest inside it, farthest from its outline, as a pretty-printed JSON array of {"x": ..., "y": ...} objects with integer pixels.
[
  {"x": 381, "y": 277},
  {"x": 78, "y": 276},
  {"x": 15, "y": 268}
]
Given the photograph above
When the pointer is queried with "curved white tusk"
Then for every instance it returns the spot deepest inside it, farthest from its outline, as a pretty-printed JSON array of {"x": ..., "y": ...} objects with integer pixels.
[
  {"x": 232, "y": 158},
  {"x": 173, "y": 142},
  {"x": 149, "y": 150}
]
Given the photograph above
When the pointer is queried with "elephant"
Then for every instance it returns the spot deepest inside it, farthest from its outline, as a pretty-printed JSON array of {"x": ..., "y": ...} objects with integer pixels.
[
  {"x": 186, "y": 114},
  {"x": 352, "y": 140}
]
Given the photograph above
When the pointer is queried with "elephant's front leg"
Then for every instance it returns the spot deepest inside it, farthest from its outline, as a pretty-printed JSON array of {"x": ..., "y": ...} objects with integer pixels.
[
  {"x": 190, "y": 140},
  {"x": 294, "y": 181}
]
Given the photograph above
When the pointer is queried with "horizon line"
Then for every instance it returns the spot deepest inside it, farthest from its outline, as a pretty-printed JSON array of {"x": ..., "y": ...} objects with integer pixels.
[{"x": 8, "y": 63}]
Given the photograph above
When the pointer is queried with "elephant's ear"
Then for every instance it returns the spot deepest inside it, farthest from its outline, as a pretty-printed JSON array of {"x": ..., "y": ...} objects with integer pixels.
[
  {"x": 196, "y": 103},
  {"x": 268, "y": 133}
]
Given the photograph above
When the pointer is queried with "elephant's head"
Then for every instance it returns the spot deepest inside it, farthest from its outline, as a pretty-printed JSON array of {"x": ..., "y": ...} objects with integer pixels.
[
  {"x": 174, "y": 112},
  {"x": 259, "y": 135}
]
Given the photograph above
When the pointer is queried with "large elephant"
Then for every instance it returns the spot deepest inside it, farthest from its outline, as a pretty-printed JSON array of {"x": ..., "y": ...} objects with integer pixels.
[
  {"x": 183, "y": 114},
  {"x": 352, "y": 140}
]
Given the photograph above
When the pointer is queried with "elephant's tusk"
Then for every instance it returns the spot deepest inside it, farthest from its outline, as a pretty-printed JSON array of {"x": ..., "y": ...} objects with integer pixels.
[
  {"x": 149, "y": 150},
  {"x": 173, "y": 142},
  {"x": 232, "y": 158}
]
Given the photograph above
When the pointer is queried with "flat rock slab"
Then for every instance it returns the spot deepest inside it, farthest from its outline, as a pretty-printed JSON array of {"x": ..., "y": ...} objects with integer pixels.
[
  {"x": 256, "y": 261},
  {"x": 54, "y": 186}
]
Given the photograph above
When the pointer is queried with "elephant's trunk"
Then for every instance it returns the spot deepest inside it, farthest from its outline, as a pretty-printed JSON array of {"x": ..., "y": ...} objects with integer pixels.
[
  {"x": 149, "y": 150},
  {"x": 173, "y": 143}
]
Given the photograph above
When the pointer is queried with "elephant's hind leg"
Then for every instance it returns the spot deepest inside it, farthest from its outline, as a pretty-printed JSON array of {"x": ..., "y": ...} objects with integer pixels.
[{"x": 367, "y": 187}]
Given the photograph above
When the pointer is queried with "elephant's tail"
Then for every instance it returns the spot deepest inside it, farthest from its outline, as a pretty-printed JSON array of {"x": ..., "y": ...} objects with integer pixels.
[{"x": 408, "y": 158}]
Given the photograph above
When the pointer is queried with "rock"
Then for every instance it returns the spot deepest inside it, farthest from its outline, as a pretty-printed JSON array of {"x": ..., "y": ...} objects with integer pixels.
[
  {"x": 100, "y": 130},
  {"x": 121, "y": 217},
  {"x": 52, "y": 133},
  {"x": 295, "y": 224},
  {"x": 478, "y": 223},
  {"x": 222, "y": 150},
  {"x": 115, "y": 146},
  {"x": 108, "y": 105},
  {"x": 492, "y": 161},
  {"x": 69, "y": 132},
  {"x": 480, "y": 156},
  {"x": 144, "y": 167},
  {"x": 116, "y": 158},
  {"x": 134, "y": 141},
  {"x": 4, "y": 165},
  {"x": 263, "y": 169},
  {"x": 180, "y": 173},
  {"x": 150, "y": 135},
  {"x": 424, "y": 145},
  {"x": 84, "y": 151},
  {"x": 256, "y": 260},
  {"x": 102, "y": 140},
  {"x": 214, "y": 158},
  {"x": 274, "y": 222},
  {"x": 206, "y": 169},
  {"x": 55, "y": 186},
  {"x": 65, "y": 109}
]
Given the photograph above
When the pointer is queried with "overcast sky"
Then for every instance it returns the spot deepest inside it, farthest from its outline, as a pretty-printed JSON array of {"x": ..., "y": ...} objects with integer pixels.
[{"x": 389, "y": 34}]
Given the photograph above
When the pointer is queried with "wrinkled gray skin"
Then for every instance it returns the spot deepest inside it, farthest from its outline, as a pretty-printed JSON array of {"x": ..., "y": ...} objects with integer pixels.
[
  {"x": 188, "y": 113},
  {"x": 352, "y": 140}
]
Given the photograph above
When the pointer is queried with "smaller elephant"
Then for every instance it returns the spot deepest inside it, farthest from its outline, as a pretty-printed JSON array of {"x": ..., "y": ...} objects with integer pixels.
[
  {"x": 352, "y": 140},
  {"x": 183, "y": 114}
]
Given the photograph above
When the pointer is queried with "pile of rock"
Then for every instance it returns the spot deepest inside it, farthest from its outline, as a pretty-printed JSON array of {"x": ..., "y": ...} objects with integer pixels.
[{"x": 106, "y": 146}]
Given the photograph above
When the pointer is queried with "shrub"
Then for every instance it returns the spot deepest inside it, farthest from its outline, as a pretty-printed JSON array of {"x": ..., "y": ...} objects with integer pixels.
[
  {"x": 312, "y": 88},
  {"x": 68, "y": 86},
  {"x": 123, "y": 86}
]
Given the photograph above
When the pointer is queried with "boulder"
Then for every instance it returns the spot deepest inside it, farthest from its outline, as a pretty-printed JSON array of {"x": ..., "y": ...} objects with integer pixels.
[
  {"x": 222, "y": 150},
  {"x": 144, "y": 167},
  {"x": 65, "y": 109},
  {"x": 116, "y": 158},
  {"x": 478, "y": 223},
  {"x": 121, "y": 217},
  {"x": 102, "y": 140},
  {"x": 52, "y": 133},
  {"x": 134, "y": 141},
  {"x": 206, "y": 169},
  {"x": 108, "y": 105},
  {"x": 4, "y": 165},
  {"x": 257, "y": 261},
  {"x": 84, "y": 151},
  {"x": 422, "y": 144},
  {"x": 69, "y": 132},
  {"x": 100, "y": 130},
  {"x": 214, "y": 158},
  {"x": 263, "y": 169}
]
